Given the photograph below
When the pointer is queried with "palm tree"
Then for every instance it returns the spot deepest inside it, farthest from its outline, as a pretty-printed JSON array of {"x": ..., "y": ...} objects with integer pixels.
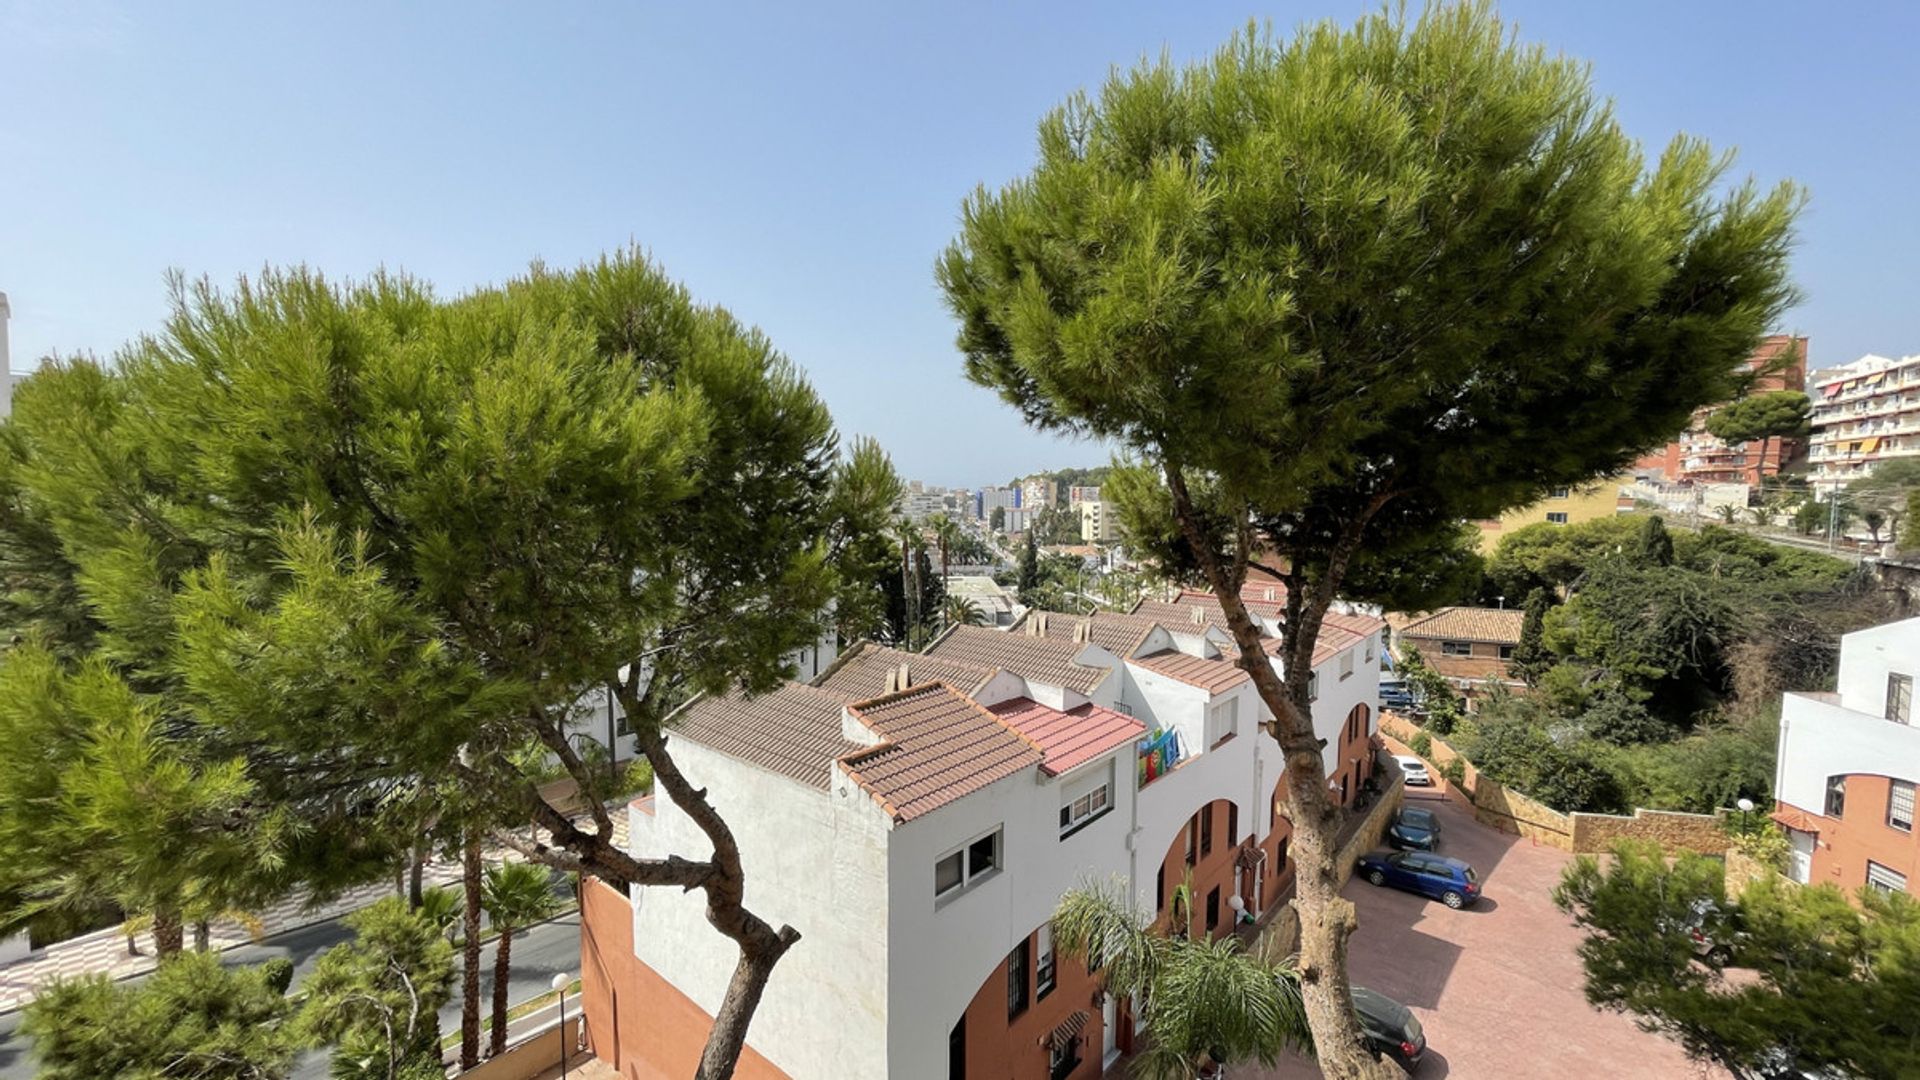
[
  {"x": 962, "y": 611},
  {"x": 1204, "y": 1003},
  {"x": 518, "y": 895},
  {"x": 440, "y": 906}
]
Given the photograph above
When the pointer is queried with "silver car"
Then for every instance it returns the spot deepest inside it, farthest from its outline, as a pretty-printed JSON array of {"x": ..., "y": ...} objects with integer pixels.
[{"x": 1414, "y": 769}]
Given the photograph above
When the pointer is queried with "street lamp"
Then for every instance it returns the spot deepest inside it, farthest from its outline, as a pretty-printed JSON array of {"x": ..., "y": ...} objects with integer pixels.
[
  {"x": 560, "y": 983},
  {"x": 1745, "y": 806}
]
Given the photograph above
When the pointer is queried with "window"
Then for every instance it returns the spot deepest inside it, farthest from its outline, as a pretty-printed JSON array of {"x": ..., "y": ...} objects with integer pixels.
[
  {"x": 1456, "y": 648},
  {"x": 1836, "y": 796},
  {"x": 1557, "y": 493},
  {"x": 958, "y": 869},
  {"x": 1017, "y": 978},
  {"x": 1043, "y": 967},
  {"x": 1506, "y": 652},
  {"x": 1224, "y": 720},
  {"x": 1213, "y": 908},
  {"x": 1369, "y": 649},
  {"x": 1160, "y": 890},
  {"x": 1233, "y": 824},
  {"x": 1346, "y": 663},
  {"x": 1313, "y": 687},
  {"x": 1063, "y": 1056},
  {"x": 1900, "y": 698},
  {"x": 1557, "y": 518},
  {"x": 1900, "y": 805},
  {"x": 1193, "y": 839},
  {"x": 1280, "y": 860},
  {"x": 1887, "y": 881},
  {"x": 957, "y": 1050},
  {"x": 1206, "y": 831},
  {"x": 1084, "y": 800}
]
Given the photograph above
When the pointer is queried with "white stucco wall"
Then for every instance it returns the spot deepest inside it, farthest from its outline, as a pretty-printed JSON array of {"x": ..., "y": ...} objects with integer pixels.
[
  {"x": 1819, "y": 739},
  {"x": 815, "y": 860},
  {"x": 941, "y": 952},
  {"x": 1868, "y": 656}
]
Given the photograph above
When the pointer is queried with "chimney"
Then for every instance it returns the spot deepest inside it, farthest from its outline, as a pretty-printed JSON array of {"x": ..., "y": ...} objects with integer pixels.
[
  {"x": 1199, "y": 616},
  {"x": 1082, "y": 632},
  {"x": 1271, "y": 595},
  {"x": 898, "y": 679},
  {"x": 6, "y": 361}
]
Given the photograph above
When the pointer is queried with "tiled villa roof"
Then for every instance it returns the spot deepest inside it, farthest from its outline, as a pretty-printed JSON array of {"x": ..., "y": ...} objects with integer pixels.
[
  {"x": 938, "y": 745},
  {"x": 1029, "y": 656},
  {"x": 1212, "y": 676},
  {"x": 794, "y": 731},
  {"x": 1072, "y": 738},
  {"x": 1118, "y": 633},
  {"x": 862, "y": 672},
  {"x": 1498, "y": 625}
]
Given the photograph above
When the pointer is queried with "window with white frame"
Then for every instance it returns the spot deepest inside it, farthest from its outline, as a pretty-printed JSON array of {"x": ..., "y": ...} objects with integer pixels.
[
  {"x": 1085, "y": 798},
  {"x": 1900, "y": 698},
  {"x": 1223, "y": 720},
  {"x": 1885, "y": 879},
  {"x": 1043, "y": 973},
  {"x": 1456, "y": 648},
  {"x": 1313, "y": 687},
  {"x": 1346, "y": 663},
  {"x": 1558, "y": 493},
  {"x": 1900, "y": 805},
  {"x": 1557, "y": 517},
  {"x": 959, "y": 869}
]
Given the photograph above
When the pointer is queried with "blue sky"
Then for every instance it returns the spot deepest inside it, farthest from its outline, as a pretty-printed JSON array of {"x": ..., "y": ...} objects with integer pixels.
[{"x": 801, "y": 164}]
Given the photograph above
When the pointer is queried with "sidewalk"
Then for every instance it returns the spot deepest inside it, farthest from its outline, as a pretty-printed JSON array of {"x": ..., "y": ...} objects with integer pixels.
[{"x": 104, "y": 952}]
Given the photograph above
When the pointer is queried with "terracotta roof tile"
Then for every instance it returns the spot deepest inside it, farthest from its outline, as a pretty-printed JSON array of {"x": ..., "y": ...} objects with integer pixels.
[
  {"x": 1212, "y": 676},
  {"x": 1116, "y": 632},
  {"x": 862, "y": 671},
  {"x": 794, "y": 731},
  {"x": 1072, "y": 738},
  {"x": 938, "y": 745},
  {"x": 1029, "y": 656},
  {"x": 1499, "y": 625}
]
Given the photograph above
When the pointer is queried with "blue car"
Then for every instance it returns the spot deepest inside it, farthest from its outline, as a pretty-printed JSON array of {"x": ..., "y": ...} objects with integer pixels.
[{"x": 1447, "y": 880}]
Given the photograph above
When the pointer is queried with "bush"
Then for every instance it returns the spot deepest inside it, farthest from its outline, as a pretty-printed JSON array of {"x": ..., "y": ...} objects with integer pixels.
[
  {"x": 1422, "y": 745},
  {"x": 1455, "y": 773}
]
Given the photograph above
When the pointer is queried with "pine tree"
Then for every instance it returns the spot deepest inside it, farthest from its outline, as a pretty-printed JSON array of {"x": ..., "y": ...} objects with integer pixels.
[
  {"x": 1332, "y": 296},
  {"x": 1530, "y": 656}
]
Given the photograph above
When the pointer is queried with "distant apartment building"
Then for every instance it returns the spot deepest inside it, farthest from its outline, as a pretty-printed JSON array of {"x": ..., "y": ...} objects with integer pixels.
[
  {"x": 1696, "y": 456},
  {"x": 1562, "y": 506},
  {"x": 989, "y": 499},
  {"x": 1471, "y": 646},
  {"x": 1018, "y": 519},
  {"x": 1038, "y": 492},
  {"x": 1847, "y": 765},
  {"x": 919, "y": 506},
  {"x": 1097, "y": 524},
  {"x": 917, "y": 818},
  {"x": 1864, "y": 413},
  {"x": 1079, "y": 494}
]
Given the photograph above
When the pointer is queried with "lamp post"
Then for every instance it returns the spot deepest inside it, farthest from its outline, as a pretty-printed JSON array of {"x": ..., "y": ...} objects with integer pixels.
[
  {"x": 1745, "y": 806},
  {"x": 560, "y": 983}
]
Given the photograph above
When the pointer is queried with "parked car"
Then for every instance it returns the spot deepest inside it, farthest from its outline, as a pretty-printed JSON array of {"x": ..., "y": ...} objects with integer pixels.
[
  {"x": 1414, "y": 828},
  {"x": 1700, "y": 932},
  {"x": 1414, "y": 769},
  {"x": 1450, "y": 881},
  {"x": 1391, "y": 1029},
  {"x": 1395, "y": 695}
]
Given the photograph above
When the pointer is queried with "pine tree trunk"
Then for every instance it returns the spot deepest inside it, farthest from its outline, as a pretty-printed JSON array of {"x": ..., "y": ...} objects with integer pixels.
[
  {"x": 470, "y": 954},
  {"x": 502, "y": 966},
  {"x": 202, "y": 935},
  {"x": 169, "y": 935},
  {"x": 416, "y": 886}
]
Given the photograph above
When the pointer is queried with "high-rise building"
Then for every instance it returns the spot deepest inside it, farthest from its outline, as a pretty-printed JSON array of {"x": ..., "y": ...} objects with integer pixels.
[
  {"x": 1696, "y": 456},
  {"x": 1097, "y": 525},
  {"x": 1077, "y": 495},
  {"x": 1864, "y": 413},
  {"x": 1038, "y": 492}
]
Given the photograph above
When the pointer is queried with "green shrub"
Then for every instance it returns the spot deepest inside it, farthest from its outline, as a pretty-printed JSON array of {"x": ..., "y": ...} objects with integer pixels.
[
  {"x": 1422, "y": 745},
  {"x": 1455, "y": 773}
]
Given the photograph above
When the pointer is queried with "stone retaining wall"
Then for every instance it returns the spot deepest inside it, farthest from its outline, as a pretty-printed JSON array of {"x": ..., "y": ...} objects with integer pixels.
[
  {"x": 1281, "y": 934},
  {"x": 1500, "y": 807}
]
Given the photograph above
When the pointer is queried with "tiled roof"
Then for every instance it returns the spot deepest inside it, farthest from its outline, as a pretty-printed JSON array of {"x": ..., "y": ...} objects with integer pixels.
[
  {"x": 1179, "y": 617},
  {"x": 1333, "y": 640},
  {"x": 1029, "y": 656},
  {"x": 1118, "y": 633},
  {"x": 794, "y": 731},
  {"x": 1267, "y": 601},
  {"x": 1212, "y": 676},
  {"x": 939, "y": 745},
  {"x": 1363, "y": 625},
  {"x": 1499, "y": 625},
  {"x": 862, "y": 671},
  {"x": 1072, "y": 738}
]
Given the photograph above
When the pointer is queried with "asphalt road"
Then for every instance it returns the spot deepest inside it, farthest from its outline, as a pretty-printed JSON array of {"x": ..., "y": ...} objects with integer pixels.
[{"x": 538, "y": 955}]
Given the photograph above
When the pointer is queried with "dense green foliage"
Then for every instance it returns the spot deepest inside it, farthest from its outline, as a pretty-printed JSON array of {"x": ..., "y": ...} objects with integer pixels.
[
  {"x": 1204, "y": 1001},
  {"x": 1821, "y": 983},
  {"x": 1657, "y": 679},
  {"x": 1780, "y": 414},
  {"x": 518, "y": 895},
  {"x": 378, "y": 996},
  {"x": 192, "y": 1019}
]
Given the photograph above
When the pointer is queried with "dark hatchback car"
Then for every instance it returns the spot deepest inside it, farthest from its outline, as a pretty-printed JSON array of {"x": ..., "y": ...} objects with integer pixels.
[
  {"x": 1449, "y": 881},
  {"x": 1391, "y": 1029},
  {"x": 1414, "y": 828}
]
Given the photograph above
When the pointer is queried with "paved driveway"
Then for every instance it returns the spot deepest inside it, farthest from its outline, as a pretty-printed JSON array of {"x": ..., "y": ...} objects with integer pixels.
[{"x": 1497, "y": 986}]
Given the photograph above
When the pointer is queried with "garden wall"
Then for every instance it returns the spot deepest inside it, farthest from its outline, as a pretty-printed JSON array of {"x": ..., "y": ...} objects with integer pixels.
[
  {"x": 1280, "y": 936},
  {"x": 1499, "y": 807}
]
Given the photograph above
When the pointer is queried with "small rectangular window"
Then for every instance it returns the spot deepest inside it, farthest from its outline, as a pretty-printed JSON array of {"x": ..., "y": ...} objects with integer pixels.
[
  {"x": 1043, "y": 965},
  {"x": 1213, "y": 908},
  {"x": 1313, "y": 687},
  {"x": 1558, "y": 493},
  {"x": 1836, "y": 796},
  {"x": 1900, "y": 805},
  {"x": 1017, "y": 979},
  {"x": 1233, "y": 824},
  {"x": 1206, "y": 831},
  {"x": 1885, "y": 879},
  {"x": 1506, "y": 652},
  {"x": 1346, "y": 663},
  {"x": 957, "y": 870},
  {"x": 1557, "y": 518},
  {"x": 1456, "y": 648},
  {"x": 947, "y": 875},
  {"x": 1900, "y": 698}
]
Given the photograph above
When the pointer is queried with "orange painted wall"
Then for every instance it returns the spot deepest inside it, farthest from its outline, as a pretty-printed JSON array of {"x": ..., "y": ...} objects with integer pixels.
[
  {"x": 1846, "y": 844},
  {"x": 1215, "y": 869},
  {"x": 1002, "y": 1049},
  {"x": 637, "y": 1022}
]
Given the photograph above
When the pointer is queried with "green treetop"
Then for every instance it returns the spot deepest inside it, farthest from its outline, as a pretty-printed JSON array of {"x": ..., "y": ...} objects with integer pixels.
[{"x": 1334, "y": 294}]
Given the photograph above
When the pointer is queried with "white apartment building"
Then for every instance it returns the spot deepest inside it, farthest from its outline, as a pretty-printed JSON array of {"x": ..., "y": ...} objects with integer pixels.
[
  {"x": 1848, "y": 763},
  {"x": 1097, "y": 524},
  {"x": 1078, "y": 494},
  {"x": 989, "y": 499},
  {"x": 1864, "y": 413},
  {"x": 917, "y": 818}
]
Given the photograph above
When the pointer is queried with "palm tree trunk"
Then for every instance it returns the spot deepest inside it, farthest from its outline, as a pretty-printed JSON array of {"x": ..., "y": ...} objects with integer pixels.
[
  {"x": 202, "y": 935},
  {"x": 169, "y": 935},
  {"x": 501, "y": 967},
  {"x": 470, "y": 954},
  {"x": 416, "y": 883}
]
